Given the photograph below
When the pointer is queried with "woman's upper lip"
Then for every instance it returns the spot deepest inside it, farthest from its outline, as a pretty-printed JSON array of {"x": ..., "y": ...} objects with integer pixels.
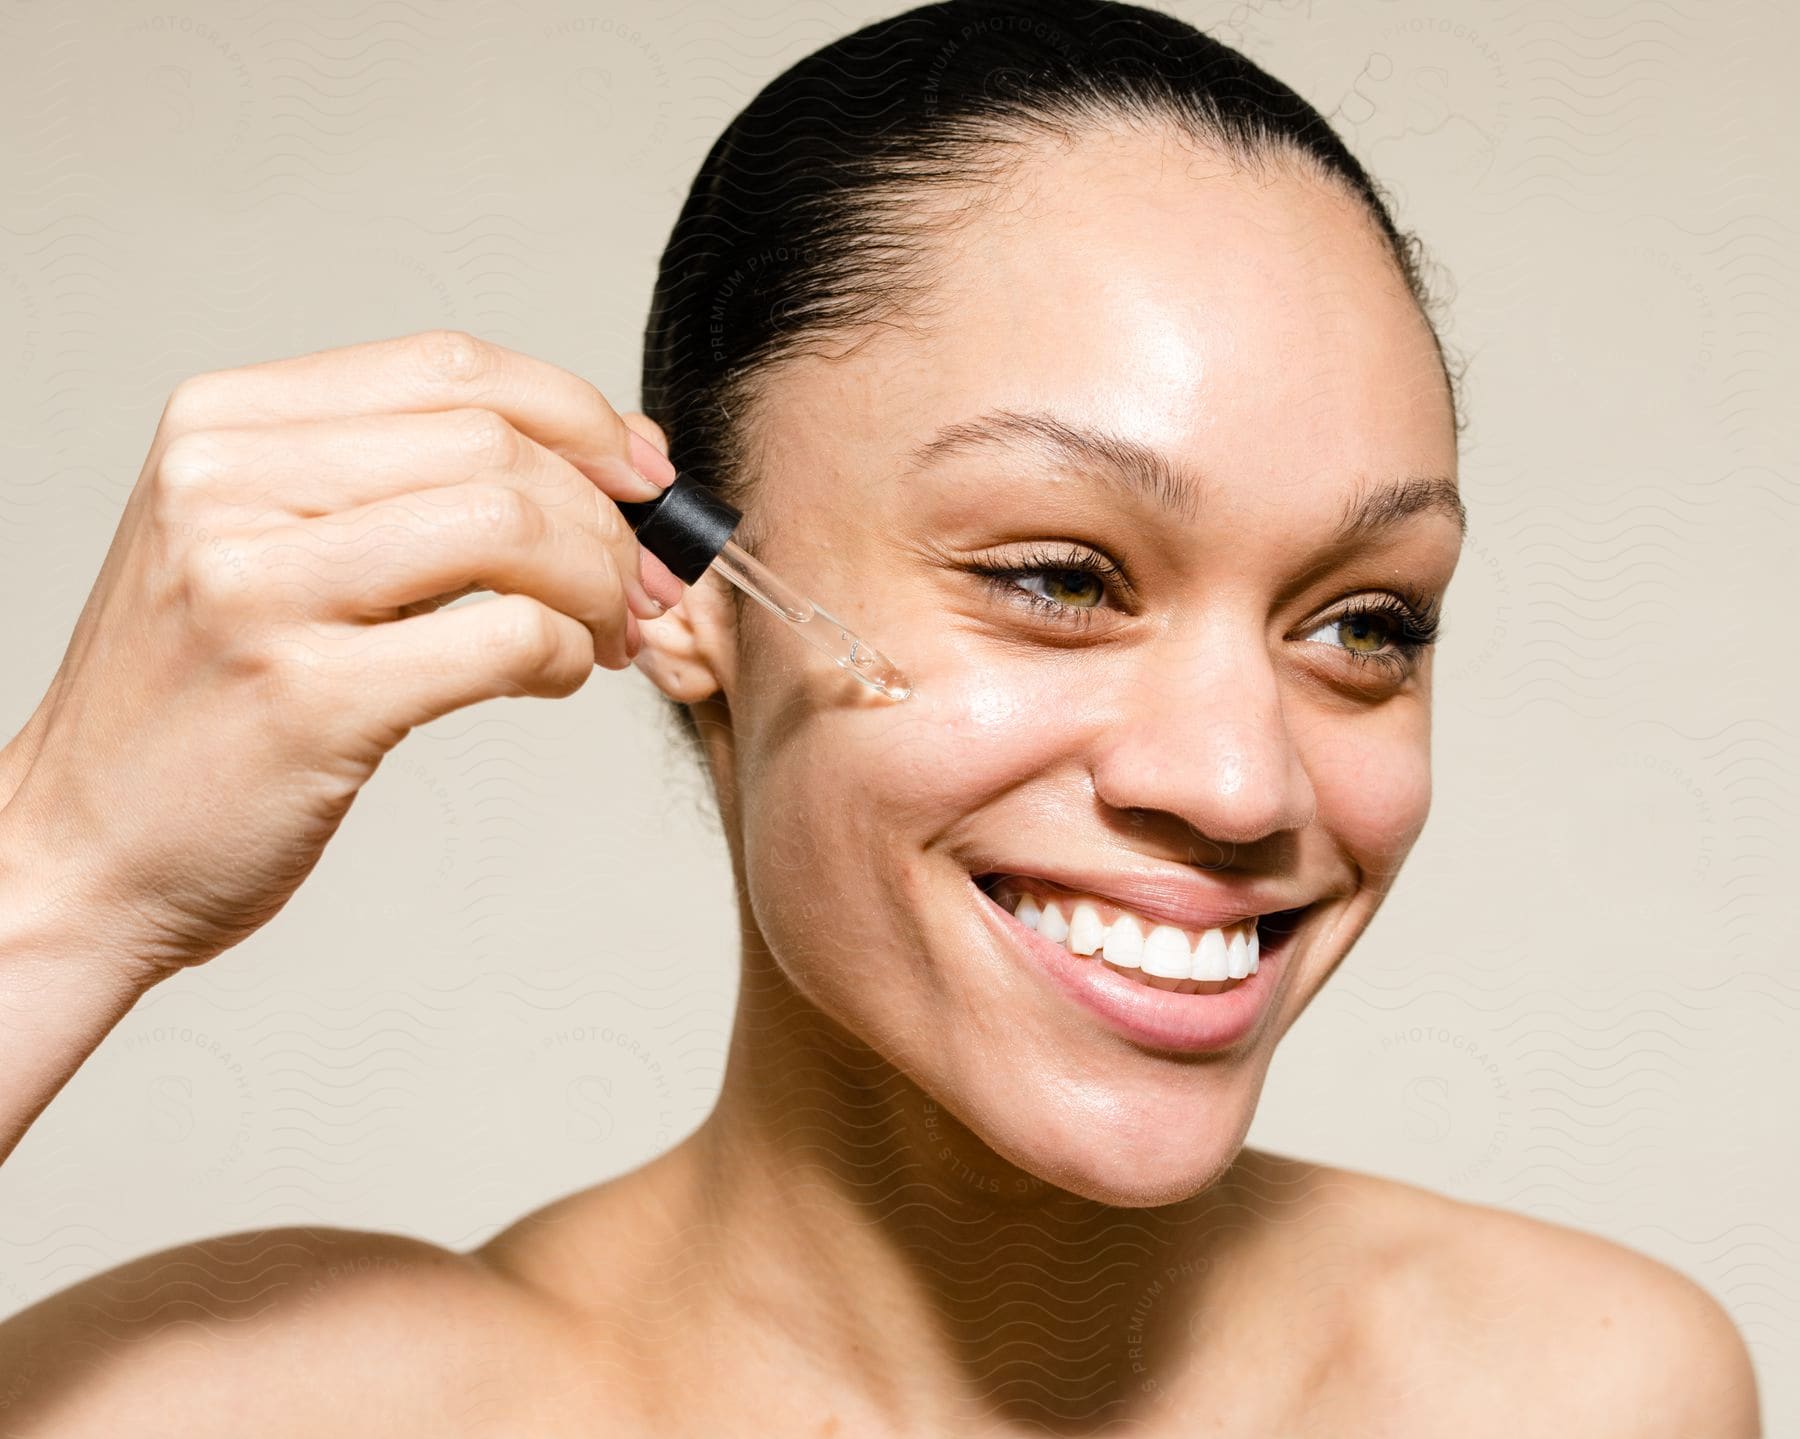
[{"x": 1179, "y": 897}]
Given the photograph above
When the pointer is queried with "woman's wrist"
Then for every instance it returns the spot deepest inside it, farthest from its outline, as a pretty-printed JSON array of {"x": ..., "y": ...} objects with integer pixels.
[
  {"x": 56, "y": 901},
  {"x": 16, "y": 757},
  {"x": 62, "y": 987}
]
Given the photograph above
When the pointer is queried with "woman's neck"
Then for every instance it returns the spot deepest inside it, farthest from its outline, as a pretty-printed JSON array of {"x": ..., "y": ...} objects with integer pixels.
[{"x": 873, "y": 1246}]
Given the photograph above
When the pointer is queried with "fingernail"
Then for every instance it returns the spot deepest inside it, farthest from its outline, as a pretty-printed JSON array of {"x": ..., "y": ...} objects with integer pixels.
[
  {"x": 612, "y": 476},
  {"x": 651, "y": 463},
  {"x": 638, "y": 600}
]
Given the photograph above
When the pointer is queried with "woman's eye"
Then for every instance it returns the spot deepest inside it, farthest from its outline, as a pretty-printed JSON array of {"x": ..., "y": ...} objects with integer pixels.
[
  {"x": 1361, "y": 634},
  {"x": 1387, "y": 632},
  {"x": 1066, "y": 586},
  {"x": 1075, "y": 588}
]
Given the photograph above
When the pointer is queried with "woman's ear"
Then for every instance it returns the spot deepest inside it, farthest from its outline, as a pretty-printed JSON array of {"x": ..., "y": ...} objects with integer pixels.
[{"x": 687, "y": 653}]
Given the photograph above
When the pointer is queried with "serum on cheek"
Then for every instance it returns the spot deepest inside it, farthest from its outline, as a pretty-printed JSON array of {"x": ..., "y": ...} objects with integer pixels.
[{"x": 689, "y": 529}]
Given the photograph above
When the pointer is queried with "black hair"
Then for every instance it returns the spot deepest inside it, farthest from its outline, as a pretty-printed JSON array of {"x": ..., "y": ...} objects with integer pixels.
[{"x": 813, "y": 215}]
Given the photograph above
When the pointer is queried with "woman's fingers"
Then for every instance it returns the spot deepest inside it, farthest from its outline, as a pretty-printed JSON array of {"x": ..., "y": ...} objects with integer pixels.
[
  {"x": 658, "y": 578},
  {"x": 435, "y": 371},
  {"x": 319, "y": 467},
  {"x": 273, "y": 616},
  {"x": 376, "y": 561},
  {"x": 341, "y": 473},
  {"x": 411, "y": 671}
]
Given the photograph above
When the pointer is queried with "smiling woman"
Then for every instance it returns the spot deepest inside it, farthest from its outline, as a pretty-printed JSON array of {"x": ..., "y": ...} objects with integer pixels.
[{"x": 1082, "y": 352}]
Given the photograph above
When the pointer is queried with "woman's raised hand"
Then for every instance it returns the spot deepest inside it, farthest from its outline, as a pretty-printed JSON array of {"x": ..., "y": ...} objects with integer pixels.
[{"x": 269, "y": 621}]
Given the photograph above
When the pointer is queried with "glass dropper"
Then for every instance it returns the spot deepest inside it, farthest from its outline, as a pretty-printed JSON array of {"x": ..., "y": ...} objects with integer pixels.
[{"x": 689, "y": 529}]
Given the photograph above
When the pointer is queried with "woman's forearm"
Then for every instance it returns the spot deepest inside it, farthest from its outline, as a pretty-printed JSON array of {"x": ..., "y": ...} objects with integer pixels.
[{"x": 61, "y": 993}]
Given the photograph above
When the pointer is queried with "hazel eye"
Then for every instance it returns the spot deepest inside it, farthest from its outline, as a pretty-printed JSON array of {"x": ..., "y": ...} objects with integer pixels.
[
  {"x": 1364, "y": 634},
  {"x": 1079, "y": 589},
  {"x": 1067, "y": 586},
  {"x": 1384, "y": 631}
]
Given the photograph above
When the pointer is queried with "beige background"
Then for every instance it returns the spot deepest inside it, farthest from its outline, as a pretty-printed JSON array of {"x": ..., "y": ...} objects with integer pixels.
[{"x": 513, "y": 972}]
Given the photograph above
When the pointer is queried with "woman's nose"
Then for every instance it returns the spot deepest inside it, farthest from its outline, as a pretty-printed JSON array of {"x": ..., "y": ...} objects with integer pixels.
[{"x": 1201, "y": 734}]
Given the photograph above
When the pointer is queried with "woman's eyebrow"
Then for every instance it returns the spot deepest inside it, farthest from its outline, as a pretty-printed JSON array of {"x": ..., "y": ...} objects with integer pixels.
[
  {"x": 1380, "y": 506},
  {"x": 1145, "y": 473},
  {"x": 1138, "y": 470}
]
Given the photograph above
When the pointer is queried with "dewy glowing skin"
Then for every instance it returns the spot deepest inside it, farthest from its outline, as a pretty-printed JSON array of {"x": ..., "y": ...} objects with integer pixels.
[
  {"x": 1140, "y": 462},
  {"x": 1101, "y": 500}
]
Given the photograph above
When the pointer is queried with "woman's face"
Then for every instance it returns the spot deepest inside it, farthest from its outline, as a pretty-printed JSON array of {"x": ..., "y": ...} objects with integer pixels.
[{"x": 1149, "y": 396}]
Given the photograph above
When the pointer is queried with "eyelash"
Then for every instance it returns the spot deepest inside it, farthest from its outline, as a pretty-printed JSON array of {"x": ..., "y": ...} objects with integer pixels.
[
  {"x": 1415, "y": 624},
  {"x": 1004, "y": 581},
  {"x": 1415, "y": 620}
]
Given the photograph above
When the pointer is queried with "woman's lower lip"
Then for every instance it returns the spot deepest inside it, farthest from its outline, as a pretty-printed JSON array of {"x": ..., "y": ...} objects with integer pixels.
[{"x": 1155, "y": 1018}]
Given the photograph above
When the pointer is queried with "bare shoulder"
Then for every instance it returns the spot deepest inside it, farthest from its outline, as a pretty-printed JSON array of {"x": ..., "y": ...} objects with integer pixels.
[
  {"x": 273, "y": 1332},
  {"x": 1641, "y": 1346},
  {"x": 1514, "y": 1311}
]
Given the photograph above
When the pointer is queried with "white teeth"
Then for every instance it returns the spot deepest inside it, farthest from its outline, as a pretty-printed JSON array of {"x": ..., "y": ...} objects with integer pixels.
[
  {"x": 1239, "y": 964},
  {"x": 1086, "y": 932},
  {"x": 1166, "y": 953},
  {"x": 1211, "y": 956},
  {"x": 1163, "y": 953},
  {"x": 1125, "y": 942}
]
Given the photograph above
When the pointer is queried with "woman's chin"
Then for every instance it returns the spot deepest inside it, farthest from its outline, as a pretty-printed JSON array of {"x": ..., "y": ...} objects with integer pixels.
[
  {"x": 1128, "y": 1183},
  {"x": 1128, "y": 1165}
]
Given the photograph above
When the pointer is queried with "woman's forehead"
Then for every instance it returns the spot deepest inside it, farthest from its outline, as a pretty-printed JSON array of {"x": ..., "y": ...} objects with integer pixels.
[
  {"x": 1139, "y": 269},
  {"x": 1216, "y": 365},
  {"x": 1128, "y": 272}
]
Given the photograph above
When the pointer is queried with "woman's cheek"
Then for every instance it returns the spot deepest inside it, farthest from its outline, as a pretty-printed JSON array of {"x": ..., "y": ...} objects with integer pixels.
[
  {"x": 844, "y": 809},
  {"x": 1373, "y": 787},
  {"x": 978, "y": 730}
]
